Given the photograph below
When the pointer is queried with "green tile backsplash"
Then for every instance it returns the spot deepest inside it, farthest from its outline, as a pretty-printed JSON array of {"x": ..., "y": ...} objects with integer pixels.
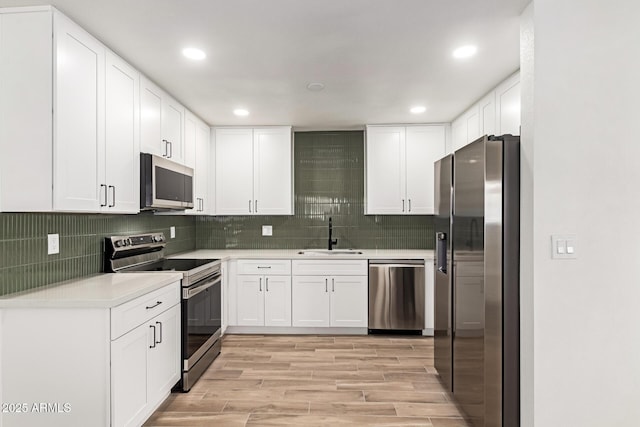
[
  {"x": 24, "y": 263},
  {"x": 329, "y": 182}
]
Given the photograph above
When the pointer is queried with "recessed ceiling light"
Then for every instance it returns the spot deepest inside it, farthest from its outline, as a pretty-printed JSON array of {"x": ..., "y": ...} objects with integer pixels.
[
  {"x": 241, "y": 112},
  {"x": 418, "y": 109},
  {"x": 193, "y": 53},
  {"x": 465, "y": 51},
  {"x": 315, "y": 87}
]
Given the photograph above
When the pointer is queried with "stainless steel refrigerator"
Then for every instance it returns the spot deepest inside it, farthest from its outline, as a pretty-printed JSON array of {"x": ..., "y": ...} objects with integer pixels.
[{"x": 477, "y": 223}]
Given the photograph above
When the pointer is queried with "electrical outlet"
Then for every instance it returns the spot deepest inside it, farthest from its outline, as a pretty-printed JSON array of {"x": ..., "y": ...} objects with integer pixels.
[
  {"x": 267, "y": 230},
  {"x": 53, "y": 244},
  {"x": 172, "y": 232}
]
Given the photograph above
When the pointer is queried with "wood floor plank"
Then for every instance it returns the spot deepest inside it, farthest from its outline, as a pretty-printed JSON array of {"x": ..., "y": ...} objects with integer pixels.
[
  {"x": 413, "y": 409},
  {"x": 197, "y": 419},
  {"x": 376, "y": 385},
  {"x": 352, "y": 408},
  {"x": 316, "y": 366},
  {"x": 449, "y": 422},
  {"x": 204, "y": 385},
  {"x": 266, "y": 407},
  {"x": 298, "y": 384},
  {"x": 405, "y": 396},
  {"x": 324, "y": 396},
  {"x": 348, "y": 375},
  {"x": 255, "y": 394}
]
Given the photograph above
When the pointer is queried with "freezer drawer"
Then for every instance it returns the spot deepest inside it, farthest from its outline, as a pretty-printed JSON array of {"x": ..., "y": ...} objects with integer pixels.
[{"x": 396, "y": 295}]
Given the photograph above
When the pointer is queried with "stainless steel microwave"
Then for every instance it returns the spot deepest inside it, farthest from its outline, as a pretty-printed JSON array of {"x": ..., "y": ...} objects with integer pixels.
[{"x": 164, "y": 184}]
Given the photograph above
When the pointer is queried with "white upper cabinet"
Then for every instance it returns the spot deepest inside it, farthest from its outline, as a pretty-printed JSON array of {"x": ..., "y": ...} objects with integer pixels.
[
  {"x": 508, "y": 102},
  {"x": 234, "y": 171},
  {"x": 425, "y": 145},
  {"x": 253, "y": 171},
  {"x": 161, "y": 123},
  {"x": 78, "y": 112},
  {"x": 197, "y": 155},
  {"x": 122, "y": 136},
  {"x": 498, "y": 113},
  {"x": 88, "y": 149},
  {"x": 399, "y": 170}
]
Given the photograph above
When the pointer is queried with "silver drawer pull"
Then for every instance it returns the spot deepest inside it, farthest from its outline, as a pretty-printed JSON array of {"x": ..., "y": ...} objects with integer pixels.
[
  {"x": 268, "y": 266},
  {"x": 154, "y": 305}
]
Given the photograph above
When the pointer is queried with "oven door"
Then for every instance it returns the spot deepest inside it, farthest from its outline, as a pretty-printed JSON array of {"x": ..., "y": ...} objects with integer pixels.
[{"x": 201, "y": 319}]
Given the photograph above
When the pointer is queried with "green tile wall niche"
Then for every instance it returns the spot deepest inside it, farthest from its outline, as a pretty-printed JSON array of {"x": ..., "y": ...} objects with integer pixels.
[
  {"x": 329, "y": 182},
  {"x": 24, "y": 263}
]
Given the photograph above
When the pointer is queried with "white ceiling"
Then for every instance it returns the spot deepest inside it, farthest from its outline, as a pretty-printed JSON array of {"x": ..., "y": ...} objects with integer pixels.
[{"x": 377, "y": 58}]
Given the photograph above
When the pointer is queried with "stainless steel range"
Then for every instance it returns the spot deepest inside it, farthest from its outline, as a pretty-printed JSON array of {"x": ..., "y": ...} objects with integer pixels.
[{"x": 201, "y": 295}]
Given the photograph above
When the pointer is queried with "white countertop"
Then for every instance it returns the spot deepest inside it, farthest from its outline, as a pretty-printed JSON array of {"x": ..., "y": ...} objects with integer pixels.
[
  {"x": 226, "y": 254},
  {"x": 100, "y": 291}
]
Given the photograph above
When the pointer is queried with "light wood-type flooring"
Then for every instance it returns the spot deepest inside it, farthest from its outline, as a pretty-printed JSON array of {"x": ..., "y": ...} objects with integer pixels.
[{"x": 316, "y": 381}]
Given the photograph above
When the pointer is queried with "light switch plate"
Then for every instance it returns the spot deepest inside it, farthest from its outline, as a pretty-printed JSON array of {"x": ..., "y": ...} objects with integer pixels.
[
  {"x": 172, "y": 232},
  {"x": 53, "y": 244},
  {"x": 563, "y": 246},
  {"x": 267, "y": 230}
]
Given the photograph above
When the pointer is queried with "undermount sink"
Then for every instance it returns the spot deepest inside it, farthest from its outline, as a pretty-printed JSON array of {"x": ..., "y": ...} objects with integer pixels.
[{"x": 330, "y": 252}]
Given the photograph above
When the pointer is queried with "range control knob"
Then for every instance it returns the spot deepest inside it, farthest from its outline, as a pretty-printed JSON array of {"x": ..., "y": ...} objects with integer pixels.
[
  {"x": 120, "y": 243},
  {"x": 157, "y": 238}
]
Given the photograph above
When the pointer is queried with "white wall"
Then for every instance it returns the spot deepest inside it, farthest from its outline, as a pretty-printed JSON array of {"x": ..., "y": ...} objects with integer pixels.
[{"x": 584, "y": 135}]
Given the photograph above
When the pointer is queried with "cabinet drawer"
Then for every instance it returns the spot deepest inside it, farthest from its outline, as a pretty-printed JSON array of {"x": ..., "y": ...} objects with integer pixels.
[
  {"x": 265, "y": 266},
  {"x": 127, "y": 316},
  {"x": 356, "y": 267}
]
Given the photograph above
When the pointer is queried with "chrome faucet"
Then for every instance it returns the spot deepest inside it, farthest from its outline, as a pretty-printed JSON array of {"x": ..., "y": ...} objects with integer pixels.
[{"x": 331, "y": 241}]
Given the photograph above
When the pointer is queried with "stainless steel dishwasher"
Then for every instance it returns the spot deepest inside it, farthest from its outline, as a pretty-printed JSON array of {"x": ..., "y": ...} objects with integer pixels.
[{"x": 396, "y": 295}]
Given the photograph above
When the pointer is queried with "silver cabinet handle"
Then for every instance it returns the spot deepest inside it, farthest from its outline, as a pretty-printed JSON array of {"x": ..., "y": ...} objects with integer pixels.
[
  {"x": 166, "y": 148},
  {"x": 256, "y": 206},
  {"x": 326, "y": 285},
  {"x": 160, "y": 327},
  {"x": 249, "y": 206},
  {"x": 171, "y": 150},
  {"x": 409, "y": 205},
  {"x": 260, "y": 284},
  {"x": 154, "y": 337},
  {"x": 105, "y": 194},
  {"x": 201, "y": 205},
  {"x": 149, "y": 307},
  {"x": 402, "y": 205},
  {"x": 333, "y": 285},
  {"x": 267, "y": 283},
  {"x": 264, "y": 266},
  {"x": 113, "y": 187}
]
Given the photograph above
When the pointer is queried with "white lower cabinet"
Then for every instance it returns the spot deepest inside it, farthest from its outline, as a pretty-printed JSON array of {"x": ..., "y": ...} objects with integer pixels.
[
  {"x": 320, "y": 299},
  {"x": 145, "y": 361},
  {"x": 264, "y": 300},
  {"x": 100, "y": 366}
]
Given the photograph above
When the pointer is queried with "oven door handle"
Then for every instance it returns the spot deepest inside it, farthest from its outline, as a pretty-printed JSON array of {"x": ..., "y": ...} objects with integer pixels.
[{"x": 193, "y": 291}]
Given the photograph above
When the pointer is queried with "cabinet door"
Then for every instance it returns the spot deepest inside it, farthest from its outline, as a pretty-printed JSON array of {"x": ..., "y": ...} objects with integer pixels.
[
  {"x": 234, "y": 171},
  {"x": 150, "y": 119},
  {"x": 508, "y": 106},
  {"x": 385, "y": 170},
  {"x": 164, "y": 365},
  {"x": 172, "y": 125},
  {"x": 349, "y": 301},
  {"x": 203, "y": 166},
  {"x": 122, "y": 152},
  {"x": 277, "y": 301},
  {"x": 487, "y": 107},
  {"x": 425, "y": 145},
  {"x": 250, "y": 300},
  {"x": 272, "y": 171},
  {"x": 79, "y": 119},
  {"x": 310, "y": 301},
  {"x": 129, "y": 377},
  {"x": 190, "y": 123},
  {"x": 458, "y": 133},
  {"x": 472, "y": 118}
]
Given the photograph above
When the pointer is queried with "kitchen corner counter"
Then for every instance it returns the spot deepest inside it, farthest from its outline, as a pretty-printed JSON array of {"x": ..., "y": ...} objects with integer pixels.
[
  {"x": 226, "y": 254},
  {"x": 100, "y": 291}
]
